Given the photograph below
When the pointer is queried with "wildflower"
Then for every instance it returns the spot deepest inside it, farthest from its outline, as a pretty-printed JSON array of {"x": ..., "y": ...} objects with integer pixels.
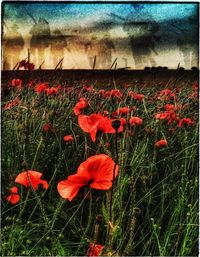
[
  {"x": 51, "y": 91},
  {"x": 96, "y": 172},
  {"x": 96, "y": 122},
  {"x": 113, "y": 93},
  {"x": 166, "y": 94},
  {"x": 101, "y": 92},
  {"x": 185, "y": 121},
  {"x": 16, "y": 83},
  {"x": 68, "y": 138},
  {"x": 47, "y": 127},
  {"x": 161, "y": 143},
  {"x": 94, "y": 249},
  {"x": 14, "y": 197},
  {"x": 31, "y": 178},
  {"x": 170, "y": 107},
  {"x": 14, "y": 190},
  {"x": 82, "y": 104},
  {"x": 41, "y": 88},
  {"x": 123, "y": 110},
  {"x": 136, "y": 96},
  {"x": 88, "y": 88},
  {"x": 135, "y": 121},
  {"x": 163, "y": 116},
  {"x": 170, "y": 116}
]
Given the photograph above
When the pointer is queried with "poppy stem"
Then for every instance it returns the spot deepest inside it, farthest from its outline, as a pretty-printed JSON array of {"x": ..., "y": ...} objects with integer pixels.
[
  {"x": 113, "y": 180},
  {"x": 96, "y": 233},
  {"x": 24, "y": 206}
]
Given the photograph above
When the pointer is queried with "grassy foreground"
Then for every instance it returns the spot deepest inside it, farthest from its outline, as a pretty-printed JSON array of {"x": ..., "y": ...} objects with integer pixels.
[{"x": 152, "y": 206}]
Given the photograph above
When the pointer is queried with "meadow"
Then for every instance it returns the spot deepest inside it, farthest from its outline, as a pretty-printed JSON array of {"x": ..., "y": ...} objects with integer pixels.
[{"x": 93, "y": 170}]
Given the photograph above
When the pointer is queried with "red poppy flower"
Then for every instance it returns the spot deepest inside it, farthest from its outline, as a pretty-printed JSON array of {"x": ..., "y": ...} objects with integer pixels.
[
  {"x": 31, "y": 178},
  {"x": 135, "y": 121},
  {"x": 88, "y": 88},
  {"x": 123, "y": 122},
  {"x": 136, "y": 96},
  {"x": 101, "y": 92},
  {"x": 68, "y": 138},
  {"x": 51, "y": 91},
  {"x": 96, "y": 122},
  {"x": 40, "y": 88},
  {"x": 161, "y": 143},
  {"x": 123, "y": 110},
  {"x": 47, "y": 127},
  {"x": 94, "y": 249},
  {"x": 14, "y": 190},
  {"x": 170, "y": 107},
  {"x": 16, "y": 83},
  {"x": 14, "y": 197},
  {"x": 96, "y": 171},
  {"x": 82, "y": 104},
  {"x": 168, "y": 115},
  {"x": 185, "y": 121},
  {"x": 166, "y": 94},
  {"x": 163, "y": 116},
  {"x": 113, "y": 93}
]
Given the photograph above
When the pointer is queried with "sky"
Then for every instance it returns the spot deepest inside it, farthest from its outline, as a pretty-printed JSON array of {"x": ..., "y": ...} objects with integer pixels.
[{"x": 80, "y": 22}]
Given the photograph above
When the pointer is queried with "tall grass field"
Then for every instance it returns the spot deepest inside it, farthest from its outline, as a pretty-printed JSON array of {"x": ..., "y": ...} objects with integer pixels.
[{"x": 99, "y": 171}]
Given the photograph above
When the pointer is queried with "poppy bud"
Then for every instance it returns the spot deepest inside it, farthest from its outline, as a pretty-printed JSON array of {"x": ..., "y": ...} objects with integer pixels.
[
  {"x": 116, "y": 124},
  {"x": 99, "y": 219}
]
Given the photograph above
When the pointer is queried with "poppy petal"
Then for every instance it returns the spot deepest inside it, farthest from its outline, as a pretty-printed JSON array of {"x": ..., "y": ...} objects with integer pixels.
[
  {"x": 13, "y": 198},
  {"x": 99, "y": 167},
  {"x": 93, "y": 134},
  {"x": 67, "y": 189},
  {"x": 25, "y": 177},
  {"x": 44, "y": 183},
  {"x": 101, "y": 185},
  {"x": 14, "y": 190},
  {"x": 79, "y": 180},
  {"x": 88, "y": 123},
  {"x": 31, "y": 178}
]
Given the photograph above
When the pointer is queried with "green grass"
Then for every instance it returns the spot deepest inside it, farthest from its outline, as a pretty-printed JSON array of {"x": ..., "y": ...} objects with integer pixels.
[{"x": 155, "y": 200}]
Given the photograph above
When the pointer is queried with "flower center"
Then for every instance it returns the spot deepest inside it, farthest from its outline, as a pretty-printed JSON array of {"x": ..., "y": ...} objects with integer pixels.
[{"x": 90, "y": 181}]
